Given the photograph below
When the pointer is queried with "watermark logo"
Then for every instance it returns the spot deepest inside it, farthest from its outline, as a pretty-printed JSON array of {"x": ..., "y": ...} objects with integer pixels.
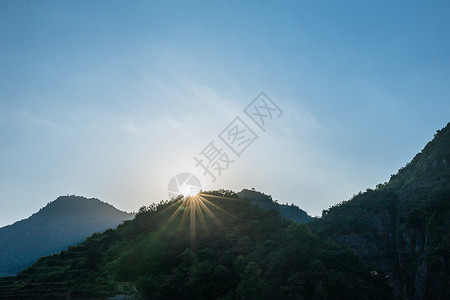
[
  {"x": 262, "y": 110},
  {"x": 213, "y": 161},
  {"x": 185, "y": 184},
  {"x": 238, "y": 136}
]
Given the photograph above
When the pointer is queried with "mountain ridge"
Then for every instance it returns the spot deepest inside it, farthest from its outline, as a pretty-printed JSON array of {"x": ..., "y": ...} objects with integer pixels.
[
  {"x": 61, "y": 223},
  {"x": 231, "y": 250},
  {"x": 263, "y": 201},
  {"x": 402, "y": 226},
  {"x": 384, "y": 243}
]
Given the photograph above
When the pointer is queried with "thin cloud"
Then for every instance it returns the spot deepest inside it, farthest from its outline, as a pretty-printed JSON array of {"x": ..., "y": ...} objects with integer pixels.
[{"x": 37, "y": 120}]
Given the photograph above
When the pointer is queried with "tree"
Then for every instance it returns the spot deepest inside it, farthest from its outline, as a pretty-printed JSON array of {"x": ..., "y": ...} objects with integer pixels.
[{"x": 251, "y": 286}]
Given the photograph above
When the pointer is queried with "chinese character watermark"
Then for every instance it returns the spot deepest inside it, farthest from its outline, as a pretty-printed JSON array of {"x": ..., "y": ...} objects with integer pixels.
[
  {"x": 262, "y": 110},
  {"x": 237, "y": 136},
  {"x": 213, "y": 161}
]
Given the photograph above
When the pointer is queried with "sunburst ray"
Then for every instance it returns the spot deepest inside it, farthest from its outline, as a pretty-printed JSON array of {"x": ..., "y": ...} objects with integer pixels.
[{"x": 196, "y": 209}]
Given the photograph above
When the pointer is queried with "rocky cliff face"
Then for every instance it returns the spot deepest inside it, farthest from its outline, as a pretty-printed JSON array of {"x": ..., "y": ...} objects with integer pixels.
[
  {"x": 402, "y": 229},
  {"x": 404, "y": 257}
]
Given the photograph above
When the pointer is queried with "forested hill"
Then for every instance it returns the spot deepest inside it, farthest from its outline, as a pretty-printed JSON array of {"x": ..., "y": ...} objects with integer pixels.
[
  {"x": 212, "y": 246},
  {"x": 63, "y": 222},
  {"x": 403, "y": 226},
  {"x": 391, "y": 242}
]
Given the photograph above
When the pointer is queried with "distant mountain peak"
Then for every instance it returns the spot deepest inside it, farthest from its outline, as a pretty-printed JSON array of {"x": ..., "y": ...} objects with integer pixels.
[{"x": 61, "y": 223}]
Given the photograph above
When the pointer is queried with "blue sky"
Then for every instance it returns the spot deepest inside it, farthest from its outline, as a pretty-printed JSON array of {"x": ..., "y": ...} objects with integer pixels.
[{"x": 111, "y": 99}]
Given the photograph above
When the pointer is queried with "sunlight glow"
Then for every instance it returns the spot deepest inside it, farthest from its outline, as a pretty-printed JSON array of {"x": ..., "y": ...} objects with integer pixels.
[
  {"x": 196, "y": 208},
  {"x": 188, "y": 190}
]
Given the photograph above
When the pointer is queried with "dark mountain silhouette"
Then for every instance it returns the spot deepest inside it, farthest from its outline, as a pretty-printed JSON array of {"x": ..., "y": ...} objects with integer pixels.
[
  {"x": 63, "y": 222},
  {"x": 216, "y": 246},
  {"x": 391, "y": 242},
  {"x": 403, "y": 226}
]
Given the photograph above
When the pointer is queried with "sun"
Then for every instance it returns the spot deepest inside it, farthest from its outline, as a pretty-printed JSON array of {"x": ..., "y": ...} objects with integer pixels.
[{"x": 188, "y": 190}]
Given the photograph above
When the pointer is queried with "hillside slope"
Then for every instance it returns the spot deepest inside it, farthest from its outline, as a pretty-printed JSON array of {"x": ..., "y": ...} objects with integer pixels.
[
  {"x": 213, "y": 246},
  {"x": 263, "y": 201},
  {"x": 63, "y": 222},
  {"x": 403, "y": 226},
  {"x": 384, "y": 243}
]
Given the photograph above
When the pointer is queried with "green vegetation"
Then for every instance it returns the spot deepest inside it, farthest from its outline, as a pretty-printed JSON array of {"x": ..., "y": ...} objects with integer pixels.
[
  {"x": 403, "y": 226},
  {"x": 390, "y": 242},
  {"x": 263, "y": 201},
  {"x": 240, "y": 252}
]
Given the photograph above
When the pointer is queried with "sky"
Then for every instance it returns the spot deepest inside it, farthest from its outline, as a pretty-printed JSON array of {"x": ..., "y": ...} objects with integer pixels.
[{"x": 112, "y": 99}]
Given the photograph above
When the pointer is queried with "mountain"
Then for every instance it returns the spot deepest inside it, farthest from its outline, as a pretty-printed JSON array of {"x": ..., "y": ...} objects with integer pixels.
[
  {"x": 215, "y": 245},
  {"x": 263, "y": 201},
  {"x": 66, "y": 221},
  {"x": 386, "y": 243},
  {"x": 403, "y": 226}
]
